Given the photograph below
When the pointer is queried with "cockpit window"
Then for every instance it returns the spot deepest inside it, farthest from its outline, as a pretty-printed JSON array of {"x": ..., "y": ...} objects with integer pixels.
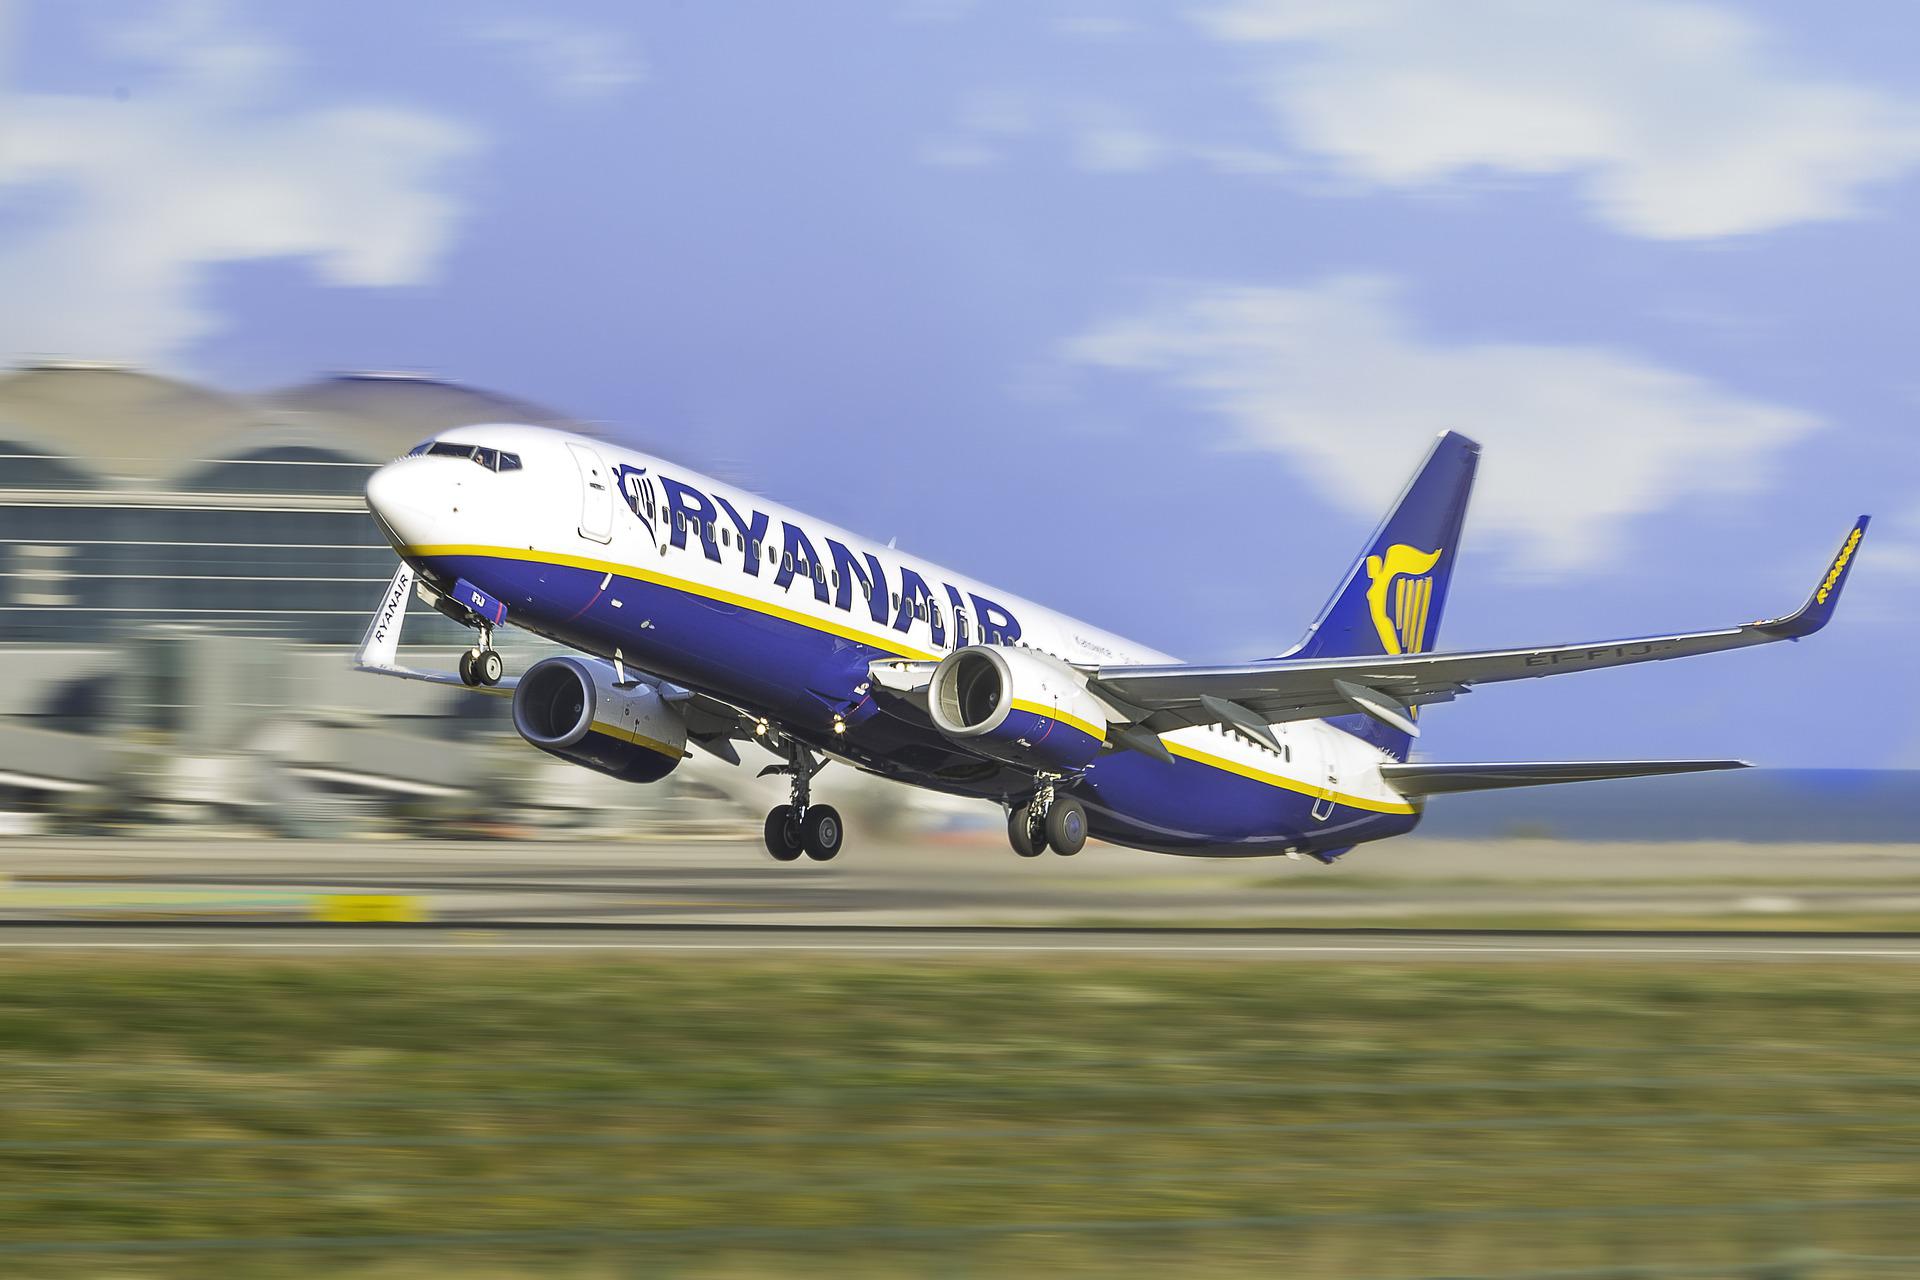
[{"x": 491, "y": 459}]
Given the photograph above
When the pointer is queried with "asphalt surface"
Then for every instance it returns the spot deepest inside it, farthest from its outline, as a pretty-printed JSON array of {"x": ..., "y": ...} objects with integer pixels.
[
  {"x": 1239, "y": 944},
  {"x": 927, "y": 895}
]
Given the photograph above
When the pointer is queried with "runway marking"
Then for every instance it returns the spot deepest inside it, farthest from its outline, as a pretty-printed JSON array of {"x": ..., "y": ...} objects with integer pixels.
[{"x": 908, "y": 948}]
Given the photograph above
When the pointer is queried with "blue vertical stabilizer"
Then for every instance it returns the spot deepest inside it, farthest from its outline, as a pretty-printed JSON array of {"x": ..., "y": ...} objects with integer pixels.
[{"x": 1391, "y": 600}]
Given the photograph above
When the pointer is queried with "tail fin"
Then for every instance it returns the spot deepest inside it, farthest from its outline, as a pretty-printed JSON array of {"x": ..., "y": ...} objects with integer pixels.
[{"x": 1392, "y": 598}]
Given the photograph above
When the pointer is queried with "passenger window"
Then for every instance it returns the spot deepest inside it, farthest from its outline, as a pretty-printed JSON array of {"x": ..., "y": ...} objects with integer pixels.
[
  {"x": 679, "y": 522},
  {"x": 786, "y": 562},
  {"x": 896, "y": 602},
  {"x": 773, "y": 556}
]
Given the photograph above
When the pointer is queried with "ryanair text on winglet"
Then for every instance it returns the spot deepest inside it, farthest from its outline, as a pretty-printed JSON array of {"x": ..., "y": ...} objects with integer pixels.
[{"x": 1839, "y": 566}]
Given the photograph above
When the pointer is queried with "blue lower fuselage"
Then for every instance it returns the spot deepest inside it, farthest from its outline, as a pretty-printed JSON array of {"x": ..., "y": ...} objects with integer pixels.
[{"x": 804, "y": 677}]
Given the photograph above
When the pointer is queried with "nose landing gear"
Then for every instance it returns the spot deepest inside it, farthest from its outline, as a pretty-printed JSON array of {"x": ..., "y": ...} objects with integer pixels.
[
  {"x": 802, "y": 826},
  {"x": 482, "y": 664},
  {"x": 471, "y": 607}
]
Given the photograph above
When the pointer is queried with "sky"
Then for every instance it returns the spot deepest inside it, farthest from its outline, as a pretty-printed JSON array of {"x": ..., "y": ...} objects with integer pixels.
[{"x": 1144, "y": 311}]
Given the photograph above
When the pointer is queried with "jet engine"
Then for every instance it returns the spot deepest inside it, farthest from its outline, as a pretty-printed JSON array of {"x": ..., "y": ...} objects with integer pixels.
[
  {"x": 571, "y": 708},
  {"x": 1017, "y": 706}
]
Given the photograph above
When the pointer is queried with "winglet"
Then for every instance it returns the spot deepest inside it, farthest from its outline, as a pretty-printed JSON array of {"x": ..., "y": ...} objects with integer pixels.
[{"x": 1818, "y": 610}]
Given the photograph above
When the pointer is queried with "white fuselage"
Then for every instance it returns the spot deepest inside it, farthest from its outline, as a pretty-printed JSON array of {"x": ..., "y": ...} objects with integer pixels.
[{"x": 688, "y": 565}]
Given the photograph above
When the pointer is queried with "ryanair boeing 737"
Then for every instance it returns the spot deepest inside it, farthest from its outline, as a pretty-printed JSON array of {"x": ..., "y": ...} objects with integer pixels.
[{"x": 702, "y": 615}]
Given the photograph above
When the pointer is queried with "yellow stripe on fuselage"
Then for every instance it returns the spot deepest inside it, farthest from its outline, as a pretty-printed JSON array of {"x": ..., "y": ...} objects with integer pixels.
[
  {"x": 700, "y": 589},
  {"x": 1186, "y": 752},
  {"x": 892, "y": 646}
]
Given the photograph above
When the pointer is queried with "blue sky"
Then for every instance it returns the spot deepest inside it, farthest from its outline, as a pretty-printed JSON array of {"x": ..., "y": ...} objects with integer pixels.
[{"x": 1141, "y": 310}]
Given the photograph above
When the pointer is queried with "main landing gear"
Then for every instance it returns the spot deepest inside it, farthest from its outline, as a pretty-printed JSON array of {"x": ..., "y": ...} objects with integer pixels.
[
  {"x": 1048, "y": 821},
  {"x": 482, "y": 665},
  {"x": 802, "y": 826}
]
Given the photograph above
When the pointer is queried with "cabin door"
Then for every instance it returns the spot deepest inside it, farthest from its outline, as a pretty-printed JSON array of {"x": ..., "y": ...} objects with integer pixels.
[{"x": 596, "y": 494}]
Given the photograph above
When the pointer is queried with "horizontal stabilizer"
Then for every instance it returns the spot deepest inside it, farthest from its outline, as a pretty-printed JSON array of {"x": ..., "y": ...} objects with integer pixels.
[{"x": 1439, "y": 779}]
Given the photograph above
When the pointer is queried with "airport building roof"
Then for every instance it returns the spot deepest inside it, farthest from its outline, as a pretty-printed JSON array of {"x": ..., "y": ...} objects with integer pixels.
[
  {"x": 116, "y": 426},
  {"x": 129, "y": 499}
]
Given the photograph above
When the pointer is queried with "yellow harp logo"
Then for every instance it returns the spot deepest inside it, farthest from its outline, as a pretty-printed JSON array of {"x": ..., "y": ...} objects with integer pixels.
[{"x": 1401, "y": 596}]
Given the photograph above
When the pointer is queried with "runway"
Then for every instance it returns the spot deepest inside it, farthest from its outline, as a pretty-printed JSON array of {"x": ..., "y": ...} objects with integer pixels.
[
  {"x": 1230, "y": 944},
  {"x": 927, "y": 897}
]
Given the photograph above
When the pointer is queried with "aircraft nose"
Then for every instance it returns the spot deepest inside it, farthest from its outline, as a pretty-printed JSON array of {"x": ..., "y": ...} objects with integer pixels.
[{"x": 397, "y": 494}]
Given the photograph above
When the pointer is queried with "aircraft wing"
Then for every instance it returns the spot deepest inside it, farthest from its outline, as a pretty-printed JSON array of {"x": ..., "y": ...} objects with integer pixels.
[{"x": 1247, "y": 697}]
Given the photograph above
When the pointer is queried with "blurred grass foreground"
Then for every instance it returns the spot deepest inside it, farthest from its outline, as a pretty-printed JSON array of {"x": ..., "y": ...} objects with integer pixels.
[{"x": 713, "y": 1116}]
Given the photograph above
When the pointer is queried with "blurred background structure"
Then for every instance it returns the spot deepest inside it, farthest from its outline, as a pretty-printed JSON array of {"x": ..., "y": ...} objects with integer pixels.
[{"x": 185, "y": 574}]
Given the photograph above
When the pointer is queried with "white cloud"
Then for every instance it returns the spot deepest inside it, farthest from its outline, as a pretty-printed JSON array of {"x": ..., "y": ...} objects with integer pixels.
[
  {"x": 1116, "y": 148},
  {"x": 1097, "y": 135},
  {"x": 1898, "y": 551},
  {"x": 988, "y": 121},
  {"x": 1101, "y": 26},
  {"x": 1677, "y": 118},
  {"x": 1579, "y": 439},
  {"x": 1244, "y": 161},
  {"x": 943, "y": 154},
  {"x": 569, "y": 59},
  {"x": 121, "y": 205}
]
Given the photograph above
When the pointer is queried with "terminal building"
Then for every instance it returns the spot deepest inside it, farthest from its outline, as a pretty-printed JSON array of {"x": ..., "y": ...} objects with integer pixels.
[
  {"x": 129, "y": 499},
  {"x": 183, "y": 576}
]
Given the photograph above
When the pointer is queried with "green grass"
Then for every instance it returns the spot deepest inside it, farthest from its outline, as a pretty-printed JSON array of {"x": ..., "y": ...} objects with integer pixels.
[{"x": 823, "y": 1115}]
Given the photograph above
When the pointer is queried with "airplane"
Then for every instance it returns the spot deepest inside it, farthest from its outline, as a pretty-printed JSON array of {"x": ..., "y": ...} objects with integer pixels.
[{"x": 700, "y": 615}]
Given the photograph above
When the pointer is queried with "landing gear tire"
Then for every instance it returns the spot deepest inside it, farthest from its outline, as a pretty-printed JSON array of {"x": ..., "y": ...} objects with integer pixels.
[
  {"x": 1066, "y": 826},
  {"x": 821, "y": 832},
  {"x": 1028, "y": 837},
  {"x": 784, "y": 842},
  {"x": 468, "y": 676},
  {"x": 488, "y": 668}
]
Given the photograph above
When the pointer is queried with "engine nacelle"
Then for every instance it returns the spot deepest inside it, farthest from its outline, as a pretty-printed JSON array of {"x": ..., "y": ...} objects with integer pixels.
[
  {"x": 569, "y": 707},
  {"x": 1018, "y": 706}
]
